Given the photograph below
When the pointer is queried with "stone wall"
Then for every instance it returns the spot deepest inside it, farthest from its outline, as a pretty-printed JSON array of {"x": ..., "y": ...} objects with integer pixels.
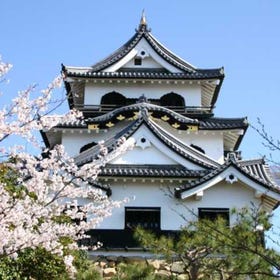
[{"x": 107, "y": 266}]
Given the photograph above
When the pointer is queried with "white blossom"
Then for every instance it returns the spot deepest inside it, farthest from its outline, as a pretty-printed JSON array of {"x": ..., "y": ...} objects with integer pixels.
[{"x": 43, "y": 187}]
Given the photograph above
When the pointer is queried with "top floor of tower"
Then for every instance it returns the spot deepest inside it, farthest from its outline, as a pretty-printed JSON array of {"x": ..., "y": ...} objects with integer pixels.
[{"x": 143, "y": 68}]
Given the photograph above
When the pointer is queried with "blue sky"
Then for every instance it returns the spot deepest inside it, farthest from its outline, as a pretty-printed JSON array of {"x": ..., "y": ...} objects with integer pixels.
[{"x": 243, "y": 36}]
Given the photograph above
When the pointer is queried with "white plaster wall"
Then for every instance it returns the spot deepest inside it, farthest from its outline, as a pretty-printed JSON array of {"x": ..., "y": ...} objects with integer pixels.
[
  {"x": 74, "y": 139},
  {"x": 191, "y": 93},
  {"x": 149, "y": 155},
  {"x": 143, "y": 45},
  {"x": 223, "y": 195},
  {"x": 158, "y": 153},
  {"x": 147, "y": 62},
  {"x": 212, "y": 142},
  {"x": 73, "y": 142},
  {"x": 153, "y": 151},
  {"x": 213, "y": 145}
]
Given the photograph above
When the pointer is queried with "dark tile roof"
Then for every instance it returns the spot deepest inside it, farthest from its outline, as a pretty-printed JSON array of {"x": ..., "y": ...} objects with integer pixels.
[
  {"x": 132, "y": 42},
  {"x": 104, "y": 187},
  {"x": 151, "y": 170},
  {"x": 158, "y": 112},
  {"x": 258, "y": 168},
  {"x": 194, "y": 73},
  {"x": 210, "y": 123},
  {"x": 177, "y": 146},
  {"x": 138, "y": 107},
  {"x": 111, "y": 143},
  {"x": 185, "y": 150},
  {"x": 255, "y": 170},
  {"x": 223, "y": 123},
  {"x": 198, "y": 75},
  {"x": 186, "y": 71},
  {"x": 203, "y": 125}
]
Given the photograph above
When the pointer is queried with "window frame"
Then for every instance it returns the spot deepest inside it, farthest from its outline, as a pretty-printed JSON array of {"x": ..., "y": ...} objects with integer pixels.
[
  {"x": 138, "y": 61},
  {"x": 172, "y": 100},
  {"x": 156, "y": 210},
  {"x": 223, "y": 211}
]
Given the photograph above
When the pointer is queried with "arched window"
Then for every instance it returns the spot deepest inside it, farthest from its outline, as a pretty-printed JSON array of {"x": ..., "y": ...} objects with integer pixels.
[
  {"x": 113, "y": 98},
  {"x": 87, "y": 146},
  {"x": 172, "y": 100},
  {"x": 198, "y": 148}
]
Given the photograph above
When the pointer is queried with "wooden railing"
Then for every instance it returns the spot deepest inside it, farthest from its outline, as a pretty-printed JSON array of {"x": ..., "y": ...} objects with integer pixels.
[
  {"x": 104, "y": 108},
  {"x": 118, "y": 238}
]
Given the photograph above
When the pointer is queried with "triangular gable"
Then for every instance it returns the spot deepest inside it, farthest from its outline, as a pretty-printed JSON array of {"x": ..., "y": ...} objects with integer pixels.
[
  {"x": 179, "y": 147},
  {"x": 148, "y": 149},
  {"x": 232, "y": 173},
  {"x": 143, "y": 32},
  {"x": 158, "y": 63},
  {"x": 163, "y": 141},
  {"x": 148, "y": 57}
]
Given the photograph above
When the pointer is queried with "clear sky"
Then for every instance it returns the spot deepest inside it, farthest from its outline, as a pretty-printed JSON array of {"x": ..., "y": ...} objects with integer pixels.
[{"x": 243, "y": 36}]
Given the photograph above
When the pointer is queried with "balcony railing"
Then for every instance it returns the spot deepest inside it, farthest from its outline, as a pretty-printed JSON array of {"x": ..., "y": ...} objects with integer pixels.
[
  {"x": 104, "y": 108},
  {"x": 120, "y": 239}
]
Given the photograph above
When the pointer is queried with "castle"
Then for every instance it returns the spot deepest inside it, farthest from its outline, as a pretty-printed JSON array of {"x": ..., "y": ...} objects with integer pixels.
[{"x": 185, "y": 161}]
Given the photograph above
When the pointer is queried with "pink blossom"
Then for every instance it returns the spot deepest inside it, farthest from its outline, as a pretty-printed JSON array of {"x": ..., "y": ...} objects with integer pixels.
[{"x": 28, "y": 218}]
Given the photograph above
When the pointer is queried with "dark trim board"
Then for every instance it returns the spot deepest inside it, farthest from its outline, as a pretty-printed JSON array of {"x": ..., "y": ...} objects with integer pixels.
[{"x": 119, "y": 238}]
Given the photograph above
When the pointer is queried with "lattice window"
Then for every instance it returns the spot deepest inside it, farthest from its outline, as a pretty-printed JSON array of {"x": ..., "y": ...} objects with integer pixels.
[
  {"x": 145, "y": 217},
  {"x": 212, "y": 214}
]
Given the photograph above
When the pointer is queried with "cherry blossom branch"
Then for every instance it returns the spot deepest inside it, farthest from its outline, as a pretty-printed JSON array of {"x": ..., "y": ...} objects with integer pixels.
[{"x": 35, "y": 190}]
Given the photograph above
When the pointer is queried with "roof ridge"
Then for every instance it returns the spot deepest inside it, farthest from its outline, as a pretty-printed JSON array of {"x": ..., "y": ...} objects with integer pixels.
[
  {"x": 91, "y": 153},
  {"x": 226, "y": 118},
  {"x": 116, "y": 55},
  {"x": 251, "y": 161},
  {"x": 184, "y": 64},
  {"x": 143, "y": 105},
  {"x": 230, "y": 161},
  {"x": 144, "y": 31},
  {"x": 209, "y": 163}
]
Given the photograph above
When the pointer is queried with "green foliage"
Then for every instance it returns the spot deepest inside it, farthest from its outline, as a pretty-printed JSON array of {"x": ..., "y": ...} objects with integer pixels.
[
  {"x": 85, "y": 268},
  {"x": 39, "y": 264},
  {"x": 62, "y": 219},
  {"x": 213, "y": 250},
  {"x": 89, "y": 274},
  {"x": 9, "y": 178},
  {"x": 33, "y": 263},
  {"x": 136, "y": 271}
]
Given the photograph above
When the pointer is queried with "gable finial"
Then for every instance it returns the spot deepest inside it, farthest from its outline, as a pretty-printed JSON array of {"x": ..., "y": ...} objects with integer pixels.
[
  {"x": 143, "y": 20},
  {"x": 143, "y": 26}
]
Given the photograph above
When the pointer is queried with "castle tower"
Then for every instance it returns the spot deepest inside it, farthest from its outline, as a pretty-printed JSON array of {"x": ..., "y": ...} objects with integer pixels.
[{"x": 183, "y": 156}]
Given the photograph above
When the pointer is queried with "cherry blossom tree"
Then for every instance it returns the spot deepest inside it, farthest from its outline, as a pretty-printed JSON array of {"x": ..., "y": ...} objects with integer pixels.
[{"x": 39, "y": 195}]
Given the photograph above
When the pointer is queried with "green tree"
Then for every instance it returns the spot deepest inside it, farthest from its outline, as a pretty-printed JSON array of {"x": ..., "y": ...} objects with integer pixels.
[
  {"x": 33, "y": 264},
  {"x": 38, "y": 263},
  {"x": 138, "y": 271},
  {"x": 213, "y": 250}
]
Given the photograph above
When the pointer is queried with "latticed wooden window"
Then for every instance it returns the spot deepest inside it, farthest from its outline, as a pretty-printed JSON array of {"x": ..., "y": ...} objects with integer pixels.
[
  {"x": 138, "y": 61},
  {"x": 172, "y": 100},
  {"x": 145, "y": 217},
  {"x": 212, "y": 214},
  {"x": 113, "y": 98}
]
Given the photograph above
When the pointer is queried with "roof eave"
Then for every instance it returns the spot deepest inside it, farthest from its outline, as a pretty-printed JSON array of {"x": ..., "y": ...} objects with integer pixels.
[
  {"x": 45, "y": 139},
  {"x": 217, "y": 90},
  {"x": 178, "y": 192},
  {"x": 67, "y": 86},
  {"x": 118, "y": 54},
  {"x": 143, "y": 75},
  {"x": 240, "y": 138}
]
